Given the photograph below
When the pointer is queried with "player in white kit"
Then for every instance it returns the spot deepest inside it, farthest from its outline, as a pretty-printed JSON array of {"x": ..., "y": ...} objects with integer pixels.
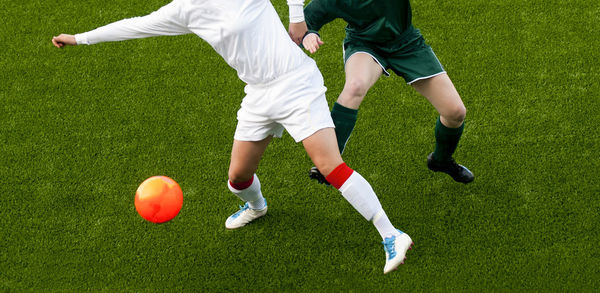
[{"x": 284, "y": 91}]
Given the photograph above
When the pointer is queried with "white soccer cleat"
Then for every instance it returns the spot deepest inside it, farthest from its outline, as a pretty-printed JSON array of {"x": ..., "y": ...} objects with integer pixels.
[
  {"x": 395, "y": 251},
  {"x": 244, "y": 216}
]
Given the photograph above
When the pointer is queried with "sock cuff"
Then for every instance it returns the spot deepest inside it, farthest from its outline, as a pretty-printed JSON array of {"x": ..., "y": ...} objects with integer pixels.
[
  {"x": 339, "y": 175},
  {"x": 347, "y": 112},
  {"x": 242, "y": 185}
]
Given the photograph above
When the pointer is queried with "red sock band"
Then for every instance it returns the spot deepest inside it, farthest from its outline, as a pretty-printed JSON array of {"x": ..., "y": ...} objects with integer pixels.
[
  {"x": 339, "y": 175},
  {"x": 242, "y": 185}
]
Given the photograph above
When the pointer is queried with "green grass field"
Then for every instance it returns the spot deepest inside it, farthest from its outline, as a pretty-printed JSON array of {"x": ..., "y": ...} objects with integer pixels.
[{"x": 81, "y": 128}]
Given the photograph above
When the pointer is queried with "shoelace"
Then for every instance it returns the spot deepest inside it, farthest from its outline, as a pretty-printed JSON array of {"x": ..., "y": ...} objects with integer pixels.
[
  {"x": 242, "y": 209},
  {"x": 389, "y": 246}
]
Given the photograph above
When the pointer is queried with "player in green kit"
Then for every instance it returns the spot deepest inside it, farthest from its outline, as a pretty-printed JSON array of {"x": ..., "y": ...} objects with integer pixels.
[{"x": 380, "y": 37}]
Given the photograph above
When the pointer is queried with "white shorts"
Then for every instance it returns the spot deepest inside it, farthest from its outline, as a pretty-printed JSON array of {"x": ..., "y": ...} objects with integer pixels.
[{"x": 295, "y": 102}]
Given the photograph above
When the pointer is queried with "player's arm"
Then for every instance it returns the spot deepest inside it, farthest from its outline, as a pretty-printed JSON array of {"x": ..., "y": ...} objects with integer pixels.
[
  {"x": 167, "y": 21},
  {"x": 317, "y": 13},
  {"x": 297, "y": 27}
]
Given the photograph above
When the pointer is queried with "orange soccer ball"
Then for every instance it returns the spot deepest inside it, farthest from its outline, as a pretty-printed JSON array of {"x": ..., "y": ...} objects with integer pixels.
[{"x": 158, "y": 199}]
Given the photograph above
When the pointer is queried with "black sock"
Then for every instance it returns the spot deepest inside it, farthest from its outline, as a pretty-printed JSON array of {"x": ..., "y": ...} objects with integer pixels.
[
  {"x": 446, "y": 141},
  {"x": 344, "y": 120}
]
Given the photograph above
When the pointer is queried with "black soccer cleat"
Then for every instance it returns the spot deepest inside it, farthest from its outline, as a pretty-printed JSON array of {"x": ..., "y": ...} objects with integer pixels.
[
  {"x": 458, "y": 172},
  {"x": 315, "y": 174}
]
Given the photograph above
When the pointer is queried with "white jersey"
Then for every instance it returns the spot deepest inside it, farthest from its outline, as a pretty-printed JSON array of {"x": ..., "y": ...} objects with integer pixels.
[{"x": 248, "y": 34}]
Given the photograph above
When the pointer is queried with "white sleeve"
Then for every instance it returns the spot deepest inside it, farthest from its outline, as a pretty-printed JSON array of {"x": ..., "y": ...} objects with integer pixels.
[
  {"x": 167, "y": 21},
  {"x": 296, "y": 10}
]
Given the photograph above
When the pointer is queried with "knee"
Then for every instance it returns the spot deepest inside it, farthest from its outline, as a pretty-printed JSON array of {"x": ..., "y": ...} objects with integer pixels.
[
  {"x": 236, "y": 176},
  {"x": 456, "y": 115},
  {"x": 459, "y": 114},
  {"x": 326, "y": 169},
  {"x": 355, "y": 89}
]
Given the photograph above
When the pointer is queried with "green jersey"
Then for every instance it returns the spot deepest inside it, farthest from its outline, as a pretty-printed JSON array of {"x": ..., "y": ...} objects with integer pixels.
[{"x": 377, "y": 21}]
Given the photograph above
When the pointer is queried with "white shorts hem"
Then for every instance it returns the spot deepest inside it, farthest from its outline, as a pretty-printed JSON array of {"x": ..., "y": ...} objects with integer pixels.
[
  {"x": 385, "y": 72},
  {"x": 425, "y": 77}
]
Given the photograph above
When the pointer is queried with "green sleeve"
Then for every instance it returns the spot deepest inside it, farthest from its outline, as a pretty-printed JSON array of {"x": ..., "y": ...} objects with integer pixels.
[{"x": 318, "y": 13}]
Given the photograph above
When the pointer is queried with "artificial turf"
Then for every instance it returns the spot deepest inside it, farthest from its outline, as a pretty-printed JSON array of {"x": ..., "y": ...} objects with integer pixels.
[{"x": 80, "y": 128}]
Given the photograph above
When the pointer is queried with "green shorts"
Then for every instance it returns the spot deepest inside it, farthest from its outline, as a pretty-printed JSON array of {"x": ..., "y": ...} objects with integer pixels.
[{"x": 409, "y": 56}]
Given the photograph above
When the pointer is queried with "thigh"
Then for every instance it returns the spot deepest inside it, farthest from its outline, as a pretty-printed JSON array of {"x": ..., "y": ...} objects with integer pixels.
[
  {"x": 355, "y": 49},
  {"x": 441, "y": 93},
  {"x": 363, "y": 68},
  {"x": 245, "y": 157},
  {"x": 322, "y": 148}
]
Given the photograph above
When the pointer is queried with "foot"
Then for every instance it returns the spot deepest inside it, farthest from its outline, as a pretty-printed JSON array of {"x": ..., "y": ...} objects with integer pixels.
[
  {"x": 458, "y": 172},
  {"x": 315, "y": 174},
  {"x": 244, "y": 216},
  {"x": 395, "y": 251}
]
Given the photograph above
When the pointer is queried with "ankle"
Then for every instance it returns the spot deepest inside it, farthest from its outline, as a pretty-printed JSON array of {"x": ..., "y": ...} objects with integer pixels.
[{"x": 258, "y": 204}]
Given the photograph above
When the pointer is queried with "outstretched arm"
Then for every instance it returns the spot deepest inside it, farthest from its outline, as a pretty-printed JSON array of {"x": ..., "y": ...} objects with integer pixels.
[
  {"x": 167, "y": 21},
  {"x": 63, "y": 40}
]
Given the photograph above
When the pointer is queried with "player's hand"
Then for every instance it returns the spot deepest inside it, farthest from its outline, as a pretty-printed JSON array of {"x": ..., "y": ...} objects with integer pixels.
[
  {"x": 62, "y": 40},
  {"x": 312, "y": 42},
  {"x": 297, "y": 31}
]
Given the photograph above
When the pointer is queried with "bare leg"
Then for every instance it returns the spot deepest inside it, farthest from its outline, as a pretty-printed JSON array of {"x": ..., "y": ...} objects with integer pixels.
[
  {"x": 440, "y": 91},
  {"x": 245, "y": 156},
  {"x": 322, "y": 149},
  {"x": 361, "y": 74},
  {"x": 442, "y": 94}
]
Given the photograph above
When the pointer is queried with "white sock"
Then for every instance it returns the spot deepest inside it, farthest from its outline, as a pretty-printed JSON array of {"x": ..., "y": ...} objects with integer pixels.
[
  {"x": 384, "y": 226},
  {"x": 359, "y": 193},
  {"x": 252, "y": 194}
]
